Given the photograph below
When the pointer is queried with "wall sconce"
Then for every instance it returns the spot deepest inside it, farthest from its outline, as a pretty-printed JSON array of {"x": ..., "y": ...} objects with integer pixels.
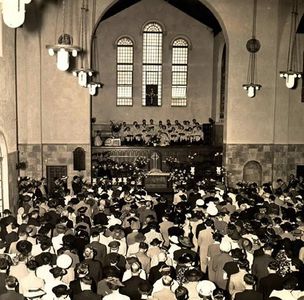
[
  {"x": 292, "y": 73},
  {"x": 13, "y": 12}
]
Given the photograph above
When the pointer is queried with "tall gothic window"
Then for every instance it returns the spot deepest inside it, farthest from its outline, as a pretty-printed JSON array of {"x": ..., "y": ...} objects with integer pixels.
[
  {"x": 179, "y": 72},
  {"x": 152, "y": 65},
  {"x": 124, "y": 72}
]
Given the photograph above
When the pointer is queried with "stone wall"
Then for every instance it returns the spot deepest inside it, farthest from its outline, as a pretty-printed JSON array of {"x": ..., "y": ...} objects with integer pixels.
[
  {"x": 277, "y": 161},
  {"x": 51, "y": 154}
]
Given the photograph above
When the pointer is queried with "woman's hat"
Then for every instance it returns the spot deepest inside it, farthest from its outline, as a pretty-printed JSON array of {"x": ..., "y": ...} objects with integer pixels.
[
  {"x": 205, "y": 288},
  {"x": 34, "y": 293},
  {"x": 58, "y": 272},
  {"x": 61, "y": 290},
  {"x": 193, "y": 275},
  {"x": 64, "y": 261},
  {"x": 24, "y": 247},
  {"x": 185, "y": 241}
]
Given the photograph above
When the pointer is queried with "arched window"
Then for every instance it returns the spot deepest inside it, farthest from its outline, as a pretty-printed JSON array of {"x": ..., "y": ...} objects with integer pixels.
[
  {"x": 152, "y": 65},
  {"x": 124, "y": 72},
  {"x": 179, "y": 72}
]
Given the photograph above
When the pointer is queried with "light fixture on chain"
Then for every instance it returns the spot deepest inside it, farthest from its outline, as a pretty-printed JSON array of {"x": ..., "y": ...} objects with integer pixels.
[
  {"x": 83, "y": 73},
  {"x": 64, "y": 48},
  {"x": 13, "y": 12},
  {"x": 253, "y": 46},
  {"x": 292, "y": 73}
]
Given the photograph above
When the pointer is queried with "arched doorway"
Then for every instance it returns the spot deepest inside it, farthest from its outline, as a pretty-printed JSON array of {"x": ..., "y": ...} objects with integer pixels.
[
  {"x": 4, "y": 191},
  {"x": 252, "y": 172}
]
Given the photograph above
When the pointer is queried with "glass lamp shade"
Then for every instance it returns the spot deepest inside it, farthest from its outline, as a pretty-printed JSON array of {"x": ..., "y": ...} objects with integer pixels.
[
  {"x": 290, "y": 78},
  {"x": 251, "y": 89},
  {"x": 93, "y": 88},
  {"x": 63, "y": 59},
  {"x": 13, "y": 12}
]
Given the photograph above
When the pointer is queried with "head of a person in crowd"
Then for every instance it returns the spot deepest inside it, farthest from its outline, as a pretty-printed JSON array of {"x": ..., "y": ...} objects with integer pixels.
[
  {"x": 46, "y": 258},
  {"x": 86, "y": 283},
  {"x": 237, "y": 254},
  {"x": 82, "y": 270},
  {"x": 225, "y": 246},
  {"x": 58, "y": 272},
  {"x": 185, "y": 242},
  {"x": 250, "y": 281},
  {"x": 61, "y": 292},
  {"x": 114, "y": 283},
  {"x": 4, "y": 265},
  {"x": 89, "y": 252},
  {"x": 181, "y": 293},
  {"x": 205, "y": 289},
  {"x": 291, "y": 283},
  {"x": 32, "y": 265},
  {"x": 135, "y": 268},
  {"x": 114, "y": 246},
  {"x": 6, "y": 213},
  {"x": 11, "y": 282},
  {"x": 143, "y": 247},
  {"x": 24, "y": 247},
  {"x": 167, "y": 281},
  {"x": 243, "y": 264},
  {"x": 193, "y": 275},
  {"x": 273, "y": 267}
]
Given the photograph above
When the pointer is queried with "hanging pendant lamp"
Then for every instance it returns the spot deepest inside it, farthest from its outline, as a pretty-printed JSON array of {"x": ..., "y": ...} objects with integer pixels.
[
  {"x": 292, "y": 73},
  {"x": 253, "y": 46},
  {"x": 64, "y": 48}
]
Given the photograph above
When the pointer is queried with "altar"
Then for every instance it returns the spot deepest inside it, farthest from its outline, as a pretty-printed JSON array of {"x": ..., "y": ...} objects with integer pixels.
[{"x": 157, "y": 181}]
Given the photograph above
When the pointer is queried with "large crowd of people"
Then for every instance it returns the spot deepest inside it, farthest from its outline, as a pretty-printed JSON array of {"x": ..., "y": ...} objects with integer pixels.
[
  {"x": 151, "y": 133},
  {"x": 120, "y": 242}
]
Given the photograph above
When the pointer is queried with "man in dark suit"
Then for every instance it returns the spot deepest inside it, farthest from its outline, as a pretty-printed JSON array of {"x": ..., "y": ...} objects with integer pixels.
[
  {"x": 260, "y": 263},
  {"x": 273, "y": 281},
  {"x": 131, "y": 285},
  {"x": 11, "y": 283},
  {"x": 249, "y": 293},
  {"x": 86, "y": 293}
]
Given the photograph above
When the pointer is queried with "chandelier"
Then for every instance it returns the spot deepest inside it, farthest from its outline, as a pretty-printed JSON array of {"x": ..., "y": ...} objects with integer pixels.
[
  {"x": 64, "y": 48},
  {"x": 13, "y": 12},
  {"x": 292, "y": 73},
  {"x": 253, "y": 46}
]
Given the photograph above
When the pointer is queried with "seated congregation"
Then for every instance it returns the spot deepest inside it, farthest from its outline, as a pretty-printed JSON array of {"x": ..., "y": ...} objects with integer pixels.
[{"x": 118, "y": 242}]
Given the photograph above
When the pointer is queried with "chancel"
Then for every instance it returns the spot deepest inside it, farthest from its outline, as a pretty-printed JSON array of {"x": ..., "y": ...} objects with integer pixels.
[{"x": 141, "y": 177}]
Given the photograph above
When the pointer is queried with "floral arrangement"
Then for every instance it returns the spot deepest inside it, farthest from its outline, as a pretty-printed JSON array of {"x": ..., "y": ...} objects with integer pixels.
[
  {"x": 154, "y": 140},
  {"x": 141, "y": 162},
  {"x": 181, "y": 177},
  {"x": 172, "y": 162},
  {"x": 191, "y": 157},
  {"x": 115, "y": 127}
]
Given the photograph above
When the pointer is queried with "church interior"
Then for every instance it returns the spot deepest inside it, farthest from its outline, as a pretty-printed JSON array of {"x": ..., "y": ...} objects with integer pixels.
[
  {"x": 151, "y": 149},
  {"x": 215, "y": 62}
]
